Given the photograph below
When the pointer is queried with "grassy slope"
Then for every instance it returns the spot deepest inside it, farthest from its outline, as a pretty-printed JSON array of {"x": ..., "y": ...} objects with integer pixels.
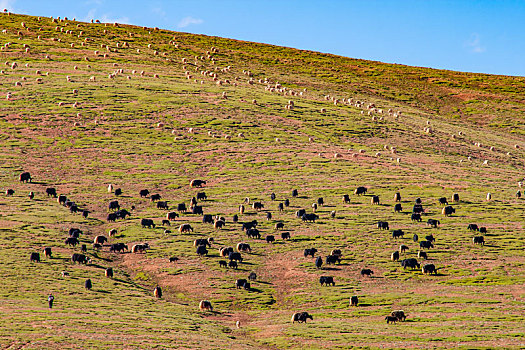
[{"x": 475, "y": 301}]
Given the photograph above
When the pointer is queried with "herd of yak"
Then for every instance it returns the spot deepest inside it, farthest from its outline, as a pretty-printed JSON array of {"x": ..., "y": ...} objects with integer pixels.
[{"x": 233, "y": 258}]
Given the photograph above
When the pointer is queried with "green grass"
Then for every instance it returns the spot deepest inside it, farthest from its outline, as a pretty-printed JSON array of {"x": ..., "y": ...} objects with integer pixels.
[{"x": 474, "y": 302}]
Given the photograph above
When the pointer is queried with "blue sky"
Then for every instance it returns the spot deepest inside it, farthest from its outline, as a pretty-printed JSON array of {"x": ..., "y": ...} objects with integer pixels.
[{"x": 473, "y": 36}]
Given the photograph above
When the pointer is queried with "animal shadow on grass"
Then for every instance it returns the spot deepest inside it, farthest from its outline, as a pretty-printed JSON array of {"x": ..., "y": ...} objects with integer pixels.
[
  {"x": 265, "y": 282},
  {"x": 255, "y": 290},
  {"x": 102, "y": 291}
]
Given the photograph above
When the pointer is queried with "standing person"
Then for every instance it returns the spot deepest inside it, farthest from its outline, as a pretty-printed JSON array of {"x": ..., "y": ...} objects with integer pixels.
[{"x": 50, "y": 300}]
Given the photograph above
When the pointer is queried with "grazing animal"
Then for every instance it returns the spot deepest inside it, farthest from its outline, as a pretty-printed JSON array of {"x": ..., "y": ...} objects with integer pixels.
[
  {"x": 197, "y": 210},
  {"x": 300, "y": 213},
  {"x": 100, "y": 239},
  {"x": 35, "y": 257},
  {"x": 109, "y": 272},
  {"x": 173, "y": 259},
  {"x": 205, "y": 305},
  {"x": 375, "y": 200},
  {"x": 253, "y": 233},
  {"x": 118, "y": 192},
  {"x": 84, "y": 247},
  {"x": 433, "y": 223},
  {"x": 166, "y": 222},
  {"x": 197, "y": 183},
  {"x": 397, "y": 233},
  {"x": 426, "y": 245},
  {"x": 223, "y": 263},
  {"x": 241, "y": 209},
  {"x": 85, "y": 213},
  {"x": 72, "y": 241},
  {"x": 416, "y": 217},
  {"x": 51, "y": 192},
  {"x": 88, "y": 285},
  {"x": 218, "y": 224},
  {"x": 272, "y": 196},
  {"x": 144, "y": 193},
  {"x": 114, "y": 205},
  {"x": 155, "y": 197},
  {"x": 252, "y": 276},
  {"x": 319, "y": 262},
  {"x": 397, "y": 197},
  {"x": 62, "y": 199},
  {"x": 310, "y": 251},
  {"x": 518, "y": 194},
  {"x": 185, "y": 228},
  {"x": 97, "y": 246},
  {"x": 280, "y": 207},
  {"x": 285, "y": 235},
  {"x": 301, "y": 317},
  {"x": 235, "y": 256},
  {"x": 430, "y": 238},
  {"x": 147, "y": 223},
  {"x": 268, "y": 215},
  {"x": 403, "y": 248},
  {"x": 240, "y": 283},
  {"x": 320, "y": 201},
  {"x": 233, "y": 264},
  {"x": 201, "y": 241},
  {"x": 346, "y": 199},
  {"x": 415, "y": 237},
  {"x": 249, "y": 225},
  {"x": 201, "y": 196},
  {"x": 391, "y": 319},
  {"x": 399, "y": 314},
  {"x": 411, "y": 262},
  {"x": 25, "y": 177},
  {"x": 207, "y": 219},
  {"x": 482, "y": 230},
  {"x": 448, "y": 210},
  {"x": 429, "y": 268},
  {"x": 473, "y": 227},
  {"x": 326, "y": 280},
  {"x": 479, "y": 240},
  {"x": 138, "y": 248},
  {"x": 157, "y": 292},
  {"x": 422, "y": 255},
  {"x": 332, "y": 259},
  {"x": 309, "y": 217},
  {"x": 382, "y": 225},
  {"x": 243, "y": 247},
  {"x": 181, "y": 207},
  {"x": 270, "y": 239},
  {"x": 201, "y": 250},
  {"x": 9, "y": 192},
  {"x": 398, "y": 208},
  {"x": 162, "y": 205},
  {"x": 295, "y": 193},
  {"x": 489, "y": 196},
  {"x": 455, "y": 197},
  {"x": 47, "y": 252},
  {"x": 235, "y": 218},
  {"x": 366, "y": 272},
  {"x": 118, "y": 247},
  {"x": 257, "y": 206},
  {"x": 354, "y": 300},
  {"x": 112, "y": 217},
  {"x": 395, "y": 256},
  {"x": 418, "y": 209},
  {"x": 443, "y": 201},
  {"x": 360, "y": 190},
  {"x": 80, "y": 258}
]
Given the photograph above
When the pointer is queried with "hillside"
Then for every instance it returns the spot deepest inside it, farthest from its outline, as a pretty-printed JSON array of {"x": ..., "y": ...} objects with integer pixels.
[{"x": 87, "y": 105}]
